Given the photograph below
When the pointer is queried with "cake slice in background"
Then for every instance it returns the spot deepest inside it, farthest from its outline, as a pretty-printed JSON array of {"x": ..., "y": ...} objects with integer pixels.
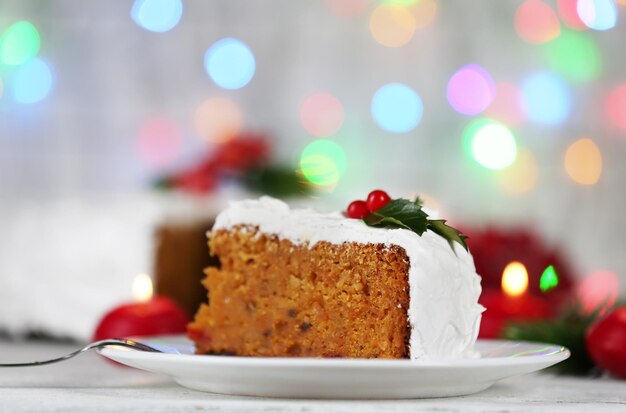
[
  {"x": 301, "y": 283},
  {"x": 180, "y": 258}
]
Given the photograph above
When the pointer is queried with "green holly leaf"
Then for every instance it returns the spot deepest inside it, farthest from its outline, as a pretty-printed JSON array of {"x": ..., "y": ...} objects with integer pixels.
[
  {"x": 399, "y": 213},
  {"x": 407, "y": 214},
  {"x": 439, "y": 226}
]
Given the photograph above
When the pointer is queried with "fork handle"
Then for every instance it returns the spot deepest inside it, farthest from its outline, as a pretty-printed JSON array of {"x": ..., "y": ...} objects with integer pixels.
[{"x": 98, "y": 344}]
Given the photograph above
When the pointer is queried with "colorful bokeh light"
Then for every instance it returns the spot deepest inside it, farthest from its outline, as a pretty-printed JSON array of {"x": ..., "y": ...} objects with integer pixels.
[
  {"x": 491, "y": 144},
  {"x": 401, "y": 2},
  {"x": 347, "y": 8},
  {"x": 583, "y": 162},
  {"x": 323, "y": 163},
  {"x": 230, "y": 63},
  {"x": 322, "y": 114},
  {"x": 218, "y": 120},
  {"x": 569, "y": 14},
  {"x": 597, "y": 14},
  {"x": 616, "y": 107},
  {"x": 159, "y": 142},
  {"x": 32, "y": 82},
  {"x": 397, "y": 108},
  {"x": 157, "y": 15},
  {"x": 507, "y": 105},
  {"x": 549, "y": 279},
  {"x": 470, "y": 90},
  {"x": 574, "y": 55},
  {"x": 598, "y": 291},
  {"x": 19, "y": 43},
  {"x": 546, "y": 98},
  {"x": 392, "y": 25},
  {"x": 536, "y": 22},
  {"x": 521, "y": 177},
  {"x": 143, "y": 288},
  {"x": 515, "y": 279},
  {"x": 424, "y": 12},
  {"x": 1, "y": 87}
]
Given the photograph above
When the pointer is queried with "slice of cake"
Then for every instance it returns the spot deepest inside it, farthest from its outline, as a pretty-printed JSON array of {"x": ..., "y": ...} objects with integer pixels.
[{"x": 300, "y": 283}]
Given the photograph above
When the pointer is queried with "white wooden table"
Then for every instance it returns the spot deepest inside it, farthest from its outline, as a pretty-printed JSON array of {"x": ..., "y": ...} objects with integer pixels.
[{"x": 90, "y": 384}]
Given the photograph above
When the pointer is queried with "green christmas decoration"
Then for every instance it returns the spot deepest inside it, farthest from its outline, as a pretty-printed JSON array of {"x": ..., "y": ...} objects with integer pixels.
[{"x": 549, "y": 279}]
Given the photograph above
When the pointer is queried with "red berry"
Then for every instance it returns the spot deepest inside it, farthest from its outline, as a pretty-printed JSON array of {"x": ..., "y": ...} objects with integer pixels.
[
  {"x": 606, "y": 342},
  {"x": 377, "y": 199},
  {"x": 357, "y": 210}
]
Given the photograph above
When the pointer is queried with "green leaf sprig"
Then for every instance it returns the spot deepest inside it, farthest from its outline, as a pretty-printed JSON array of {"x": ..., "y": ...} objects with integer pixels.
[{"x": 407, "y": 214}]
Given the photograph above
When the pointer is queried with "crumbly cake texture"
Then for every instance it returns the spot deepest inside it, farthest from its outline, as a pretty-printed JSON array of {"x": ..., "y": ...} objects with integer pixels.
[
  {"x": 272, "y": 297},
  {"x": 301, "y": 283}
]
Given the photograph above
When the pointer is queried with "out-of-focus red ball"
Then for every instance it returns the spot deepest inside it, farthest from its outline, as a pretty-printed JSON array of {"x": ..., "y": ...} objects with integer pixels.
[{"x": 606, "y": 342}]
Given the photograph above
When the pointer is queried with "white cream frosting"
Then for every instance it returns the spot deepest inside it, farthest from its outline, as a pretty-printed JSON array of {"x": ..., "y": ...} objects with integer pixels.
[{"x": 444, "y": 313}]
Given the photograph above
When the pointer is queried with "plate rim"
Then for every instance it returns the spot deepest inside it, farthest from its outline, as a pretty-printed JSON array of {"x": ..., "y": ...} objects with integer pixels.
[{"x": 560, "y": 353}]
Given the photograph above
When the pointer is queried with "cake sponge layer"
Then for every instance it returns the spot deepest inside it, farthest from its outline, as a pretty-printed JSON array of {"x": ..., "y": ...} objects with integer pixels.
[{"x": 272, "y": 297}]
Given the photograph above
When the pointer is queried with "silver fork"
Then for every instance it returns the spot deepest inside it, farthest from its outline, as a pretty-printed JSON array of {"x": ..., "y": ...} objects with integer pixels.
[{"x": 98, "y": 344}]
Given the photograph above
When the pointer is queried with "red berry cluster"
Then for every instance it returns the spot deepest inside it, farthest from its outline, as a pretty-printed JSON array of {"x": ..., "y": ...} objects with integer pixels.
[{"x": 375, "y": 201}]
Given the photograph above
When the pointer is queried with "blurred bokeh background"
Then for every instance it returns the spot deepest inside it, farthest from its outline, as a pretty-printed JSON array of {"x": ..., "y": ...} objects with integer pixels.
[{"x": 505, "y": 114}]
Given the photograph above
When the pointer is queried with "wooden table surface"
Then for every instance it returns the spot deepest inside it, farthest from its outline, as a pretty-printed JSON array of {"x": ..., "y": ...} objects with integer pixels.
[{"x": 90, "y": 384}]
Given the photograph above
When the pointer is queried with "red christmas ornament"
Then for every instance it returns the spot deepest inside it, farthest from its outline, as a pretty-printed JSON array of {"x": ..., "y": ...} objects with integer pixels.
[{"x": 606, "y": 342}]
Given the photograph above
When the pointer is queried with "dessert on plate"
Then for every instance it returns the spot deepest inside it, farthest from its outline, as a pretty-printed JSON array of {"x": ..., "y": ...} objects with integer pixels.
[{"x": 385, "y": 281}]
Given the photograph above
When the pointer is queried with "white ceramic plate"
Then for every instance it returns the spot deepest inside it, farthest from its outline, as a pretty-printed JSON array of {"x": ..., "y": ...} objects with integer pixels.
[{"x": 340, "y": 378}]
